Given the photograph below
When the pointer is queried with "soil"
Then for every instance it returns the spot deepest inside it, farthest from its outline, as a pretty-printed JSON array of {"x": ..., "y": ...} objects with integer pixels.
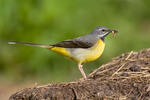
[{"x": 126, "y": 77}]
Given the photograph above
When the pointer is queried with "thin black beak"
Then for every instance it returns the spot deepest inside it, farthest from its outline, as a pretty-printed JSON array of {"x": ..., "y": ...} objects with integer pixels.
[
  {"x": 107, "y": 32},
  {"x": 110, "y": 31}
]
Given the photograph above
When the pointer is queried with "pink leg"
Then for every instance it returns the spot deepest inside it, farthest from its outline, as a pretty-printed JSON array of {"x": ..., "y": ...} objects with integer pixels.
[{"x": 82, "y": 71}]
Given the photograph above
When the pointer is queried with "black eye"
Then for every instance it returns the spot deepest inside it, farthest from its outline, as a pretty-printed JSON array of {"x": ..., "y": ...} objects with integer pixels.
[{"x": 103, "y": 30}]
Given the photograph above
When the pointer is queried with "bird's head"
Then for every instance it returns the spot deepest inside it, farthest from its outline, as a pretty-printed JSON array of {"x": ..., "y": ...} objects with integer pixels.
[{"x": 102, "y": 31}]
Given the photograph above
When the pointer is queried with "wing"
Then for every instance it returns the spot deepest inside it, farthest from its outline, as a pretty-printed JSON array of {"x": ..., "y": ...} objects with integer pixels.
[
  {"x": 73, "y": 44},
  {"x": 80, "y": 42}
]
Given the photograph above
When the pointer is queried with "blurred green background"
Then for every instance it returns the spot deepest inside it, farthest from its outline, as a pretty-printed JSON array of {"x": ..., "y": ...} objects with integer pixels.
[{"x": 51, "y": 21}]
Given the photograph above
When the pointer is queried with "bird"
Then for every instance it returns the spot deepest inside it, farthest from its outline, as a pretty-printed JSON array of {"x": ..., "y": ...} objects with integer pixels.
[{"x": 82, "y": 49}]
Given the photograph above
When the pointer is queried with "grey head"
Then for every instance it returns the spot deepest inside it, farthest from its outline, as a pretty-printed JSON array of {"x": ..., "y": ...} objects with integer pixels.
[{"x": 101, "y": 32}]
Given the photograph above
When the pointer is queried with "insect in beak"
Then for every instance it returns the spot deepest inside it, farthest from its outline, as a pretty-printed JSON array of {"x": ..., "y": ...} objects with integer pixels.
[{"x": 114, "y": 32}]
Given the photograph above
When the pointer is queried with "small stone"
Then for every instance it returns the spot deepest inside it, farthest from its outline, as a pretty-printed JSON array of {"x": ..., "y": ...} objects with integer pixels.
[{"x": 135, "y": 68}]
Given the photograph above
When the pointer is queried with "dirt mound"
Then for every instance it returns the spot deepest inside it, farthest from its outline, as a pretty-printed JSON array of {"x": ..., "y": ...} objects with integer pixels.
[{"x": 126, "y": 77}]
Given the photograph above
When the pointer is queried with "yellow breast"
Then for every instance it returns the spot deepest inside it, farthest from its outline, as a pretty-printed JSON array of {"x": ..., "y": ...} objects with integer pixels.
[
  {"x": 95, "y": 51},
  {"x": 82, "y": 55}
]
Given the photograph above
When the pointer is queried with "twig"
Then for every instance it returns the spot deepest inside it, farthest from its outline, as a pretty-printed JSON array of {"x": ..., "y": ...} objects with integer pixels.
[
  {"x": 118, "y": 70},
  {"x": 129, "y": 55},
  {"x": 123, "y": 64}
]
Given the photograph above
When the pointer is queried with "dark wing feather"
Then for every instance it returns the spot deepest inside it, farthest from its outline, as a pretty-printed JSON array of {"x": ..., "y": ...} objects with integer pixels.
[
  {"x": 73, "y": 44},
  {"x": 85, "y": 41}
]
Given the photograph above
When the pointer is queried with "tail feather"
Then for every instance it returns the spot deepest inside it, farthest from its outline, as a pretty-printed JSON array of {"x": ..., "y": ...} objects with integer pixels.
[{"x": 32, "y": 44}]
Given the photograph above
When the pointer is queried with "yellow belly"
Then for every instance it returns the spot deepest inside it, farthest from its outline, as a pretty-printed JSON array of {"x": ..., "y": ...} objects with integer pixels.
[
  {"x": 60, "y": 50},
  {"x": 82, "y": 55}
]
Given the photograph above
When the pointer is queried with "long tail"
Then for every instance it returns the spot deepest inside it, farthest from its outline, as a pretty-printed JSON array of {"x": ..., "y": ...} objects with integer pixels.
[{"x": 32, "y": 44}]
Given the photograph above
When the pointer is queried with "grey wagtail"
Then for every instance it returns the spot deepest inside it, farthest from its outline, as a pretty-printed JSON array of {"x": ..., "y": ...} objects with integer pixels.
[{"x": 82, "y": 49}]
